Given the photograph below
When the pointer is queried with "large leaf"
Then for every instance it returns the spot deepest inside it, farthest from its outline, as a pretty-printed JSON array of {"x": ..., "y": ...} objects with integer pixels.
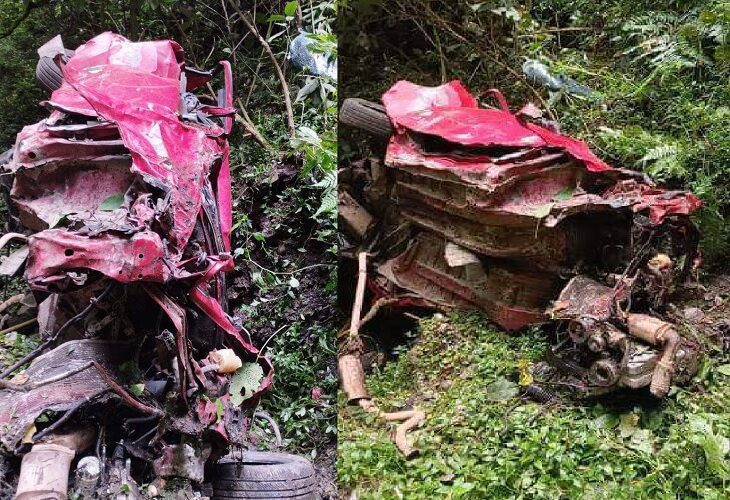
[
  {"x": 502, "y": 389},
  {"x": 112, "y": 203},
  {"x": 291, "y": 8},
  {"x": 245, "y": 381}
]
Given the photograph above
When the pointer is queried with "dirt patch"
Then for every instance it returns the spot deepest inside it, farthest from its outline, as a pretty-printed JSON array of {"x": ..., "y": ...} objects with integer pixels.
[{"x": 325, "y": 466}]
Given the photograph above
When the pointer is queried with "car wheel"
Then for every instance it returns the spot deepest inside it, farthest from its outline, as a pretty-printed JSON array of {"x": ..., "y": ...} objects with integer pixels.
[
  {"x": 367, "y": 116},
  {"x": 49, "y": 73},
  {"x": 258, "y": 474}
]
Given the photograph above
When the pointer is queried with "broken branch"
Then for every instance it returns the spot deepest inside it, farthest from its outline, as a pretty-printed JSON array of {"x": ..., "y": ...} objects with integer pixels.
[
  {"x": 18, "y": 326},
  {"x": 362, "y": 269},
  {"x": 248, "y": 124}
]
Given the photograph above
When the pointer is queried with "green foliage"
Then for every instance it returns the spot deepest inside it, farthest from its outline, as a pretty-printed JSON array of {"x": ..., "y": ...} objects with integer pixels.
[
  {"x": 286, "y": 240},
  {"x": 479, "y": 441},
  {"x": 14, "y": 346}
]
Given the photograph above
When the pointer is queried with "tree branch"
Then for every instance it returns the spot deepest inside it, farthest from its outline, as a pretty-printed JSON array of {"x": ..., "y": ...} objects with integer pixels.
[
  {"x": 284, "y": 87},
  {"x": 29, "y": 6},
  {"x": 248, "y": 124}
]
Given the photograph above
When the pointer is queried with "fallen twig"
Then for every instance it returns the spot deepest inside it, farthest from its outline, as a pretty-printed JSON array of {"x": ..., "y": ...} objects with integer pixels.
[
  {"x": 11, "y": 301},
  {"x": 248, "y": 124},
  {"x": 18, "y": 326}
]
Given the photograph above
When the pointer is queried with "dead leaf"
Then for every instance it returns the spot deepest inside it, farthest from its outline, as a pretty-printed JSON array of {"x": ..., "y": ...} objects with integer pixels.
[
  {"x": 19, "y": 379},
  {"x": 29, "y": 433}
]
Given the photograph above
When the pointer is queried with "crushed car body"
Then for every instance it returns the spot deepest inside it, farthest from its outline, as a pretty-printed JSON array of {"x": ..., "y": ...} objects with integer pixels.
[
  {"x": 483, "y": 208},
  {"x": 122, "y": 200}
]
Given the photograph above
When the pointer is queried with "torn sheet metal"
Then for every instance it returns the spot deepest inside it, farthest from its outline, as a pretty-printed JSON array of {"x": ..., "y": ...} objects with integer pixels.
[
  {"x": 487, "y": 210},
  {"x": 126, "y": 187},
  {"x": 461, "y": 135},
  {"x": 60, "y": 379}
]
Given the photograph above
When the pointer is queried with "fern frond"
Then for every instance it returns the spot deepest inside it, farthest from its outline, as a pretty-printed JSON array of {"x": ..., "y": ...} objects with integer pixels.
[
  {"x": 328, "y": 182},
  {"x": 661, "y": 152},
  {"x": 328, "y": 203}
]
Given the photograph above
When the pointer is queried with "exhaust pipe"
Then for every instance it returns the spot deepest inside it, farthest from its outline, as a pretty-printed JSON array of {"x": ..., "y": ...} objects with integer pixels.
[
  {"x": 44, "y": 470},
  {"x": 660, "y": 334}
]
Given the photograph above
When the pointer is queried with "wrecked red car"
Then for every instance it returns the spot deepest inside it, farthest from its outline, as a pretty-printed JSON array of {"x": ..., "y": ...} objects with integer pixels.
[
  {"x": 482, "y": 208},
  {"x": 122, "y": 202}
]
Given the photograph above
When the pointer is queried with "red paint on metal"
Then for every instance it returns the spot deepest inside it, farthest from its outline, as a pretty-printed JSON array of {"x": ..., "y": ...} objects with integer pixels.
[
  {"x": 133, "y": 89},
  {"x": 127, "y": 260},
  {"x": 659, "y": 202},
  {"x": 472, "y": 142}
]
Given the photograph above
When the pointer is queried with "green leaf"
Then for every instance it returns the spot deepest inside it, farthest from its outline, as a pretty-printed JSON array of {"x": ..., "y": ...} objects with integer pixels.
[
  {"x": 245, "y": 381},
  {"x": 564, "y": 194},
  {"x": 502, "y": 389},
  {"x": 290, "y": 9},
  {"x": 309, "y": 86},
  {"x": 629, "y": 424},
  {"x": 136, "y": 389},
  {"x": 218, "y": 410},
  {"x": 642, "y": 440},
  {"x": 542, "y": 211},
  {"x": 605, "y": 421},
  {"x": 723, "y": 370},
  {"x": 715, "y": 448},
  {"x": 112, "y": 203}
]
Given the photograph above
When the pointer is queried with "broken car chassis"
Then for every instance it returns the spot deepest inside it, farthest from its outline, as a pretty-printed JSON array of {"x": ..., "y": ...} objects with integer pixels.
[
  {"x": 122, "y": 203},
  {"x": 485, "y": 209}
]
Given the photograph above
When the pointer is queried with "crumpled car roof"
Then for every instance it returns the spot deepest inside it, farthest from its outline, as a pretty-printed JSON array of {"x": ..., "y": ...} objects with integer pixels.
[
  {"x": 137, "y": 86},
  {"x": 450, "y": 113},
  {"x": 166, "y": 172}
]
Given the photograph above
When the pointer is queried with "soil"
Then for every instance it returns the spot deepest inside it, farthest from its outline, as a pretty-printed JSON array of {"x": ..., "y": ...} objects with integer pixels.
[{"x": 325, "y": 466}]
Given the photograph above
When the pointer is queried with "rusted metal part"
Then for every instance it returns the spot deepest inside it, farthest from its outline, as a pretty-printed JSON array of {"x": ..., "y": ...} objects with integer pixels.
[
  {"x": 44, "y": 195},
  {"x": 126, "y": 260},
  {"x": 19, "y": 410},
  {"x": 490, "y": 211},
  {"x": 510, "y": 295},
  {"x": 585, "y": 298},
  {"x": 357, "y": 220},
  {"x": 661, "y": 334},
  {"x": 44, "y": 472},
  {"x": 182, "y": 460},
  {"x": 591, "y": 307},
  {"x": 352, "y": 377}
]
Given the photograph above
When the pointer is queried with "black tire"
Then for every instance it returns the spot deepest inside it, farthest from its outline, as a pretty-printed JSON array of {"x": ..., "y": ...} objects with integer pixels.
[
  {"x": 367, "y": 116},
  {"x": 265, "y": 475},
  {"x": 48, "y": 73}
]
